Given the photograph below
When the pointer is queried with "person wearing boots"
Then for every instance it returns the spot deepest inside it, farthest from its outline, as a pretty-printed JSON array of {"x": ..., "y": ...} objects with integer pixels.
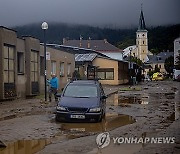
[{"x": 54, "y": 84}]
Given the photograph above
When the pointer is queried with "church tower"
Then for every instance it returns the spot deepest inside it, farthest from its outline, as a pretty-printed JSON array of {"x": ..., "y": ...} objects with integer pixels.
[{"x": 141, "y": 39}]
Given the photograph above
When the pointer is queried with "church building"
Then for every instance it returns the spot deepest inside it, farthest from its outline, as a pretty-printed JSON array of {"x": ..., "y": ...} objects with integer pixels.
[{"x": 140, "y": 50}]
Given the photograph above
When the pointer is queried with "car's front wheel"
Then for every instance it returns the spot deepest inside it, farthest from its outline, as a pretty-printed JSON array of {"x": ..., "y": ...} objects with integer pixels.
[
  {"x": 58, "y": 119},
  {"x": 101, "y": 117}
]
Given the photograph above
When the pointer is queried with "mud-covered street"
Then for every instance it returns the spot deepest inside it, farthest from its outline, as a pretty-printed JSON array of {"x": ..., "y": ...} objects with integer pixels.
[{"x": 151, "y": 109}]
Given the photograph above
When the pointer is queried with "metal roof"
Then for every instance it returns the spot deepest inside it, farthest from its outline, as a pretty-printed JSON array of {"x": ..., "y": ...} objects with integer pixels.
[
  {"x": 85, "y": 57},
  {"x": 159, "y": 58}
]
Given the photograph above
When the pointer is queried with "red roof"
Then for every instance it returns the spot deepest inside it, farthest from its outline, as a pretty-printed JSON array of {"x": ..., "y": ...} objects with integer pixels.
[{"x": 97, "y": 45}]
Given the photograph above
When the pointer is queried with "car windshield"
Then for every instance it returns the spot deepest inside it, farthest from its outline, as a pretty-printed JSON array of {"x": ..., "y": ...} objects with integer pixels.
[{"x": 80, "y": 91}]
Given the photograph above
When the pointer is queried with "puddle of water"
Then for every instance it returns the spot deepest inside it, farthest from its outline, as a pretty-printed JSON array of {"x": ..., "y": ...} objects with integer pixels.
[
  {"x": 111, "y": 121},
  {"x": 117, "y": 100},
  {"x": 25, "y": 146}
]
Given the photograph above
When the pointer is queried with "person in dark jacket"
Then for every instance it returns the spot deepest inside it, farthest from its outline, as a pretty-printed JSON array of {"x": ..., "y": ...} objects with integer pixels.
[{"x": 54, "y": 85}]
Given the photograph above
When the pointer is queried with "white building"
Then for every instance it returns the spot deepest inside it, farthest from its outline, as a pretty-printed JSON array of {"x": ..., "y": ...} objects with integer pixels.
[
  {"x": 140, "y": 50},
  {"x": 176, "y": 49}
]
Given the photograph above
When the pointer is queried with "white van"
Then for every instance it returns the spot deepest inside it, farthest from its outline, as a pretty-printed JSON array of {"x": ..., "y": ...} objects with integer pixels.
[{"x": 176, "y": 73}]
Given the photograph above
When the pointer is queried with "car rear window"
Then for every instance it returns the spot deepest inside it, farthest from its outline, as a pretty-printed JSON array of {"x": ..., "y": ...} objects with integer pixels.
[{"x": 80, "y": 91}]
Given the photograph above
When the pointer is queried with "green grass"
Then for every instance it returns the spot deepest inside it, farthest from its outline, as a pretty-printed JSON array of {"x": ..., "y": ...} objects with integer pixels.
[
  {"x": 131, "y": 89},
  {"x": 39, "y": 96}
]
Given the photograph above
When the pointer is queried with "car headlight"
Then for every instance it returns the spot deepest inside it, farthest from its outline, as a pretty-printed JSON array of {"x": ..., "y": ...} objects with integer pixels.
[
  {"x": 97, "y": 109},
  {"x": 61, "y": 108}
]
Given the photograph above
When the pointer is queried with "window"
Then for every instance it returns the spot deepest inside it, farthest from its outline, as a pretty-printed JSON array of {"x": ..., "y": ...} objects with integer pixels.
[
  {"x": 9, "y": 64},
  {"x": 53, "y": 67},
  {"x": 110, "y": 75},
  {"x": 101, "y": 75},
  {"x": 106, "y": 74},
  {"x": 20, "y": 62},
  {"x": 134, "y": 54},
  {"x": 42, "y": 65},
  {"x": 81, "y": 91},
  {"x": 143, "y": 42},
  {"x": 34, "y": 66},
  {"x": 143, "y": 35},
  {"x": 159, "y": 66},
  {"x": 69, "y": 69},
  {"x": 62, "y": 69}
]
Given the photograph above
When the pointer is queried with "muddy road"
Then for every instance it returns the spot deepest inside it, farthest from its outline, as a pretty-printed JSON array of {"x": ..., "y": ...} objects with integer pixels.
[{"x": 29, "y": 126}]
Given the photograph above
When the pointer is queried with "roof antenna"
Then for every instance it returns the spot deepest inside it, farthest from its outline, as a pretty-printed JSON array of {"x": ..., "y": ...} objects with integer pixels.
[{"x": 141, "y": 6}]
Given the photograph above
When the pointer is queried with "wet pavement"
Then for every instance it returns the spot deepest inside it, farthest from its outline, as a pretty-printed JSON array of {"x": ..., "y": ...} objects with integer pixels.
[
  {"x": 29, "y": 126},
  {"x": 25, "y": 146},
  {"x": 109, "y": 123}
]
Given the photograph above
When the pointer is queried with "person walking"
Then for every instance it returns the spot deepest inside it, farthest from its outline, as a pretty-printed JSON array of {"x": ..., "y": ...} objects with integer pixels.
[{"x": 54, "y": 84}]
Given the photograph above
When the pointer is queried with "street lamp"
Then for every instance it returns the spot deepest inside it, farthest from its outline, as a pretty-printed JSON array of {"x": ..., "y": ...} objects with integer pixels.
[
  {"x": 44, "y": 27},
  {"x": 130, "y": 49}
]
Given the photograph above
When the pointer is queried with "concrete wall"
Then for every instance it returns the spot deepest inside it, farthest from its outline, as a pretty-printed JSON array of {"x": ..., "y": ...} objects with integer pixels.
[
  {"x": 107, "y": 63},
  {"x": 21, "y": 77},
  {"x": 58, "y": 57},
  {"x": 8, "y": 37},
  {"x": 31, "y": 44},
  {"x": 23, "y": 82},
  {"x": 1, "y": 65}
]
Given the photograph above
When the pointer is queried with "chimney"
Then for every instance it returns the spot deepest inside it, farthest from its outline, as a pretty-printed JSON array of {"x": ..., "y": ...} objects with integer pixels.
[
  {"x": 105, "y": 41},
  {"x": 80, "y": 42},
  {"x": 89, "y": 45},
  {"x": 64, "y": 41}
]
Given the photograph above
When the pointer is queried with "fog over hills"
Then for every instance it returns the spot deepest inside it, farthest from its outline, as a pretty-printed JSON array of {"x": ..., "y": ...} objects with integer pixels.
[{"x": 160, "y": 38}]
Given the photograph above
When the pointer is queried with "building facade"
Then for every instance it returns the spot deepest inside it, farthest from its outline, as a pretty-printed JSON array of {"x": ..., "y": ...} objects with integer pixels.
[
  {"x": 176, "y": 50},
  {"x": 109, "y": 71},
  {"x": 158, "y": 61},
  {"x": 22, "y": 65}
]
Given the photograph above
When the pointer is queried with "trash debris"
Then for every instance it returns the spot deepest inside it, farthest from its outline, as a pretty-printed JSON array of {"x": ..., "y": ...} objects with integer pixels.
[{"x": 2, "y": 145}]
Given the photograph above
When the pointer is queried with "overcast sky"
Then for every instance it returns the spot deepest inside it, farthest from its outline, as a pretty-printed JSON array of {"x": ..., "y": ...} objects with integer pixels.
[{"x": 118, "y": 13}]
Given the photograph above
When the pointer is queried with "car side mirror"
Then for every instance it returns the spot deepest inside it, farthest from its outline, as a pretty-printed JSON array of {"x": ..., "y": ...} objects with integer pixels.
[
  {"x": 58, "y": 95},
  {"x": 103, "y": 97}
]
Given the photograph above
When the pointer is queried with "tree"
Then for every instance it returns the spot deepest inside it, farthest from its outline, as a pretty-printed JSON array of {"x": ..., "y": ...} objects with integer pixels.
[
  {"x": 137, "y": 61},
  {"x": 169, "y": 65}
]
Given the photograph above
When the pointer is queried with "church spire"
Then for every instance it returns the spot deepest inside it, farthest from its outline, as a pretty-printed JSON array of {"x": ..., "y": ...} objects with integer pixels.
[{"x": 142, "y": 25}]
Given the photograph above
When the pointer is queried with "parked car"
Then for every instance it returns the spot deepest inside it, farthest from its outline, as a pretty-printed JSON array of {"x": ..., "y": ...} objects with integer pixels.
[
  {"x": 176, "y": 74},
  {"x": 82, "y": 100},
  {"x": 178, "y": 78},
  {"x": 157, "y": 76}
]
